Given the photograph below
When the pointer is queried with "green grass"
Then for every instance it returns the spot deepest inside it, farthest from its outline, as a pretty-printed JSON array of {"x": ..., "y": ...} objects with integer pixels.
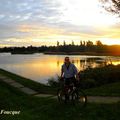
[
  {"x": 112, "y": 89},
  {"x": 41, "y": 88},
  {"x": 105, "y": 90},
  {"x": 33, "y": 108}
]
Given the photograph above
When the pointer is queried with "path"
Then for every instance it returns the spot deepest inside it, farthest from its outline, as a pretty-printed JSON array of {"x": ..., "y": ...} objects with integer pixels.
[{"x": 29, "y": 91}]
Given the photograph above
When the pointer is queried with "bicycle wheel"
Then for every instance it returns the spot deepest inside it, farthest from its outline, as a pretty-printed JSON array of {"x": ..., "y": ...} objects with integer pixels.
[
  {"x": 79, "y": 98},
  {"x": 61, "y": 95}
]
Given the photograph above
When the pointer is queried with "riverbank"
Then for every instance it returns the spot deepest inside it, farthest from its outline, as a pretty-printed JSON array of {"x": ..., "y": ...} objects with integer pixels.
[
  {"x": 28, "y": 91},
  {"x": 82, "y": 53},
  {"x": 68, "y": 53},
  {"x": 40, "y": 88},
  {"x": 111, "y": 89},
  {"x": 21, "y": 52}
]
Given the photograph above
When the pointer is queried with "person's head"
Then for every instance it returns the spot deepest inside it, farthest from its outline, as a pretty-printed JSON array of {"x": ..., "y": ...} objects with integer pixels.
[{"x": 67, "y": 60}]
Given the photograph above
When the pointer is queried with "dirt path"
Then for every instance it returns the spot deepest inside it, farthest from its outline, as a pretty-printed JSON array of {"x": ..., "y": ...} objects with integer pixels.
[
  {"x": 102, "y": 99},
  {"x": 29, "y": 91}
]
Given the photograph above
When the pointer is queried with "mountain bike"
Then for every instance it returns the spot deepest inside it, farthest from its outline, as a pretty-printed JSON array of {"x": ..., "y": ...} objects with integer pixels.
[{"x": 71, "y": 94}]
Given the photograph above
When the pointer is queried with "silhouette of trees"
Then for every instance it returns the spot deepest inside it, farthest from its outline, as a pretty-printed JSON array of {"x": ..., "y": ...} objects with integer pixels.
[
  {"x": 58, "y": 43},
  {"x": 81, "y": 43},
  {"x": 83, "y": 47},
  {"x": 112, "y": 6},
  {"x": 72, "y": 42},
  {"x": 64, "y": 43},
  {"x": 89, "y": 43},
  {"x": 99, "y": 43}
]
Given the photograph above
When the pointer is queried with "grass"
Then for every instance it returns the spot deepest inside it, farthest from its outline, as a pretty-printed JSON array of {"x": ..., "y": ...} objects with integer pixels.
[
  {"x": 105, "y": 90},
  {"x": 112, "y": 89},
  {"x": 41, "y": 88},
  {"x": 33, "y": 108}
]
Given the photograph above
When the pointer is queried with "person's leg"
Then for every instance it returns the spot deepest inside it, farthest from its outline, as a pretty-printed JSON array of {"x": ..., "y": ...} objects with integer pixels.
[
  {"x": 74, "y": 81},
  {"x": 67, "y": 83}
]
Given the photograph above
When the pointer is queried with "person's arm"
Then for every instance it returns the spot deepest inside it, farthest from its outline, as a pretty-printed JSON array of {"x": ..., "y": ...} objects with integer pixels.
[
  {"x": 77, "y": 77},
  {"x": 61, "y": 72},
  {"x": 76, "y": 73}
]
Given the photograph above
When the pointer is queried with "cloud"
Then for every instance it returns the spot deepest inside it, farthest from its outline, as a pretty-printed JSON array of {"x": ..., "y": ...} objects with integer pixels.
[
  {"x": 23, "y": 10},
  {"x": 24, "y": 20},
  {"x": 17, "y": 13}
]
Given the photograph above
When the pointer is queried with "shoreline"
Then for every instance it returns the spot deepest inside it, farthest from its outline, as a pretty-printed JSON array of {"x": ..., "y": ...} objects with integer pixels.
[
  {"x": 67, "y": 53},
  {"x": 39, "y": 87},
  {"x": 44, "y": 89},
  {"x": 81, "y": 53}
]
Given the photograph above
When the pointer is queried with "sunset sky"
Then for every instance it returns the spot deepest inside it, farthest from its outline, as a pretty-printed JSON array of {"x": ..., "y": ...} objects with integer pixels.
[{"x": 43, "y": 22}]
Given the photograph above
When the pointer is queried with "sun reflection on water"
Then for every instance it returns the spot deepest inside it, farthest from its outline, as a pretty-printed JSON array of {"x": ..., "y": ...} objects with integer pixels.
[{"x": 42, "y": 67}]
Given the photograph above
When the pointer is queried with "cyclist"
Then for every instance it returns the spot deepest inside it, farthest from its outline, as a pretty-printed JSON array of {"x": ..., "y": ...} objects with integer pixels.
[
  {"x": 70, "y": 76},
  {"x": 69, "y": 72}
]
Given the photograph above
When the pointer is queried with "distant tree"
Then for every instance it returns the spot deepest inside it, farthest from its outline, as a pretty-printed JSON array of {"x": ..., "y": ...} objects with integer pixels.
[
  {"x": 112, "y": 6},
  {"x": 81, "y": 43},
  {"x": 64, "y": 43},
  {"x": 72, "y": 42},
  {"x": 89, "y": 43},
  {"x": 84, "y": 43},
  {"x": 98, "y": 43},
  {"x": 58, "y": 43}
]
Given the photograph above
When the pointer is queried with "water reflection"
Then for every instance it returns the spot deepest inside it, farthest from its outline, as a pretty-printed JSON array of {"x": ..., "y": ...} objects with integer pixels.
[
  {"x": 41, "y": 67},
  {"x": 82, "y": 64}
]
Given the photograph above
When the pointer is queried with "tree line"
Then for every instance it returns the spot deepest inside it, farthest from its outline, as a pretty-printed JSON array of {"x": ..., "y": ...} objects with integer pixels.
[{"x": 67, "y": 48}]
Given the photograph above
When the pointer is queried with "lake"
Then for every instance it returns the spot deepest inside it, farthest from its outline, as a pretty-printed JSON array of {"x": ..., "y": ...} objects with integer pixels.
[{"x": 40, "y": 67}]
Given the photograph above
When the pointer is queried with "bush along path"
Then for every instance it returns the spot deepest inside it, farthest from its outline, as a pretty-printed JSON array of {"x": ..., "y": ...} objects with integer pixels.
[{"x": 29, "y": 91}]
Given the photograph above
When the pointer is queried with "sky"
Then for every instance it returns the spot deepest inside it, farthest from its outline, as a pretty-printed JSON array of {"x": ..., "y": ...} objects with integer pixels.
[{"x": 44, "y": 22}]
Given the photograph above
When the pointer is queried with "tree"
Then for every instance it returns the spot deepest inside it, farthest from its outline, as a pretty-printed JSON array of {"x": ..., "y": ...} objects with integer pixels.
[
  {"x": 64, "y": 43},
  {"x": 98, "y": 43},
  {"x": 84, "y": 43},
  {"x": 89, "y": 43},
  {"x": 81, "y": 43},
  {"x": 72, "y": 42},
  {"x": 112, "y": 6},
  {"x": 58, "y": 43}
]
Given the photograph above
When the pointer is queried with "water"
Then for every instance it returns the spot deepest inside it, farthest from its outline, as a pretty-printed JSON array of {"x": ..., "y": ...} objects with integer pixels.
[{"x": 40, "y": 67}]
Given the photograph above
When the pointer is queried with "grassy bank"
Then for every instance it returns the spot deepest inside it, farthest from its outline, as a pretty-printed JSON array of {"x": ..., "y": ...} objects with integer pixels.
[
  {"x": 33, "y": 108},
  {"x": 112, "y": 89},
  {"x": 41, "y": 88},
  {"x": 95, "y": 77}
]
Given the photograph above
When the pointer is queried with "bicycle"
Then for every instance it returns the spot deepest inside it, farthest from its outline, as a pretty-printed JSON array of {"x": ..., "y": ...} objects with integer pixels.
[{"x": 73, "y": 94}]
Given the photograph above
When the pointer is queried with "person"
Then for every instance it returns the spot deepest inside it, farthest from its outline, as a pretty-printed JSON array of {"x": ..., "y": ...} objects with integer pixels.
[{"x": 69, "y": 72}]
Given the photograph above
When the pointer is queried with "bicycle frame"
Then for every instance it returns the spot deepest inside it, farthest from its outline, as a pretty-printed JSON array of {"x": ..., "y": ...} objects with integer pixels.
[
  {"x": 71, "y": 93},
  {"x": 68, "y": 88}
]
